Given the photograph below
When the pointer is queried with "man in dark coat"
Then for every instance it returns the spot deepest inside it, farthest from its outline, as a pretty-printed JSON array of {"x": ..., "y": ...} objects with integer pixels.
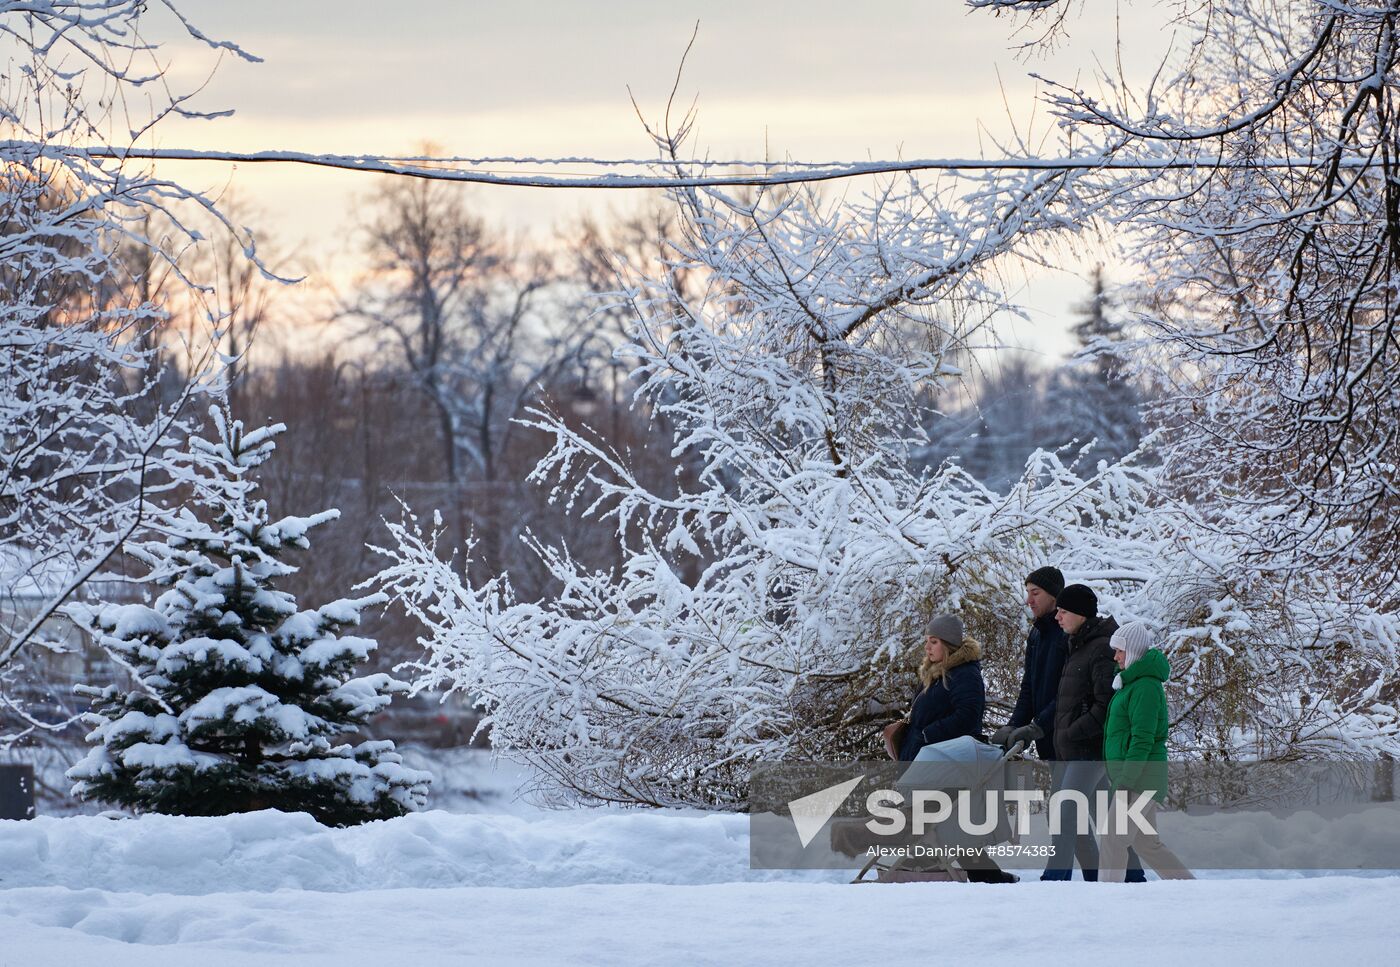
[
  {"x": 1081, "y": 708},
  {"x": 1033, "y": 719}
]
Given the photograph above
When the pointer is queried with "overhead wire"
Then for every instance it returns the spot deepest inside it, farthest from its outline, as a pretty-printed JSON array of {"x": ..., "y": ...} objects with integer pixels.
[{"x": 662, "y": 172}]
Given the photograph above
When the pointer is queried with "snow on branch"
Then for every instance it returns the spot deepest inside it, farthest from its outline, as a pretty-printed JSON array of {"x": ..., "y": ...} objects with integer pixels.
[{"x": 1269, "y": 314}]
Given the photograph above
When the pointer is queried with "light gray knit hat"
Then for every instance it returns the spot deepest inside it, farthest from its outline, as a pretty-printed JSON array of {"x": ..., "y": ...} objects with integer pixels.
[
  {"x": 1132, "y": 639},
  {"x": 947, "y": 627}
]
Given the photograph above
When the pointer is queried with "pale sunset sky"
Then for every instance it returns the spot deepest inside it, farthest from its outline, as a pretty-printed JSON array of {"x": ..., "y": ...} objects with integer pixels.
[{"x": 815, "y": 80}]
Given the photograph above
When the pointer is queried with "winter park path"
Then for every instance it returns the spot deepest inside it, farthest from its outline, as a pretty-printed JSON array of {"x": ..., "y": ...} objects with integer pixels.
[{"x": 606, "y": 888}]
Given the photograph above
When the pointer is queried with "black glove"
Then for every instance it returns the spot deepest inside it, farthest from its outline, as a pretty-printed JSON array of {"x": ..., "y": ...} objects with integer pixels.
[
  {"x": 1026, "y": 734},
  {"x": 1002, "y": 735}
]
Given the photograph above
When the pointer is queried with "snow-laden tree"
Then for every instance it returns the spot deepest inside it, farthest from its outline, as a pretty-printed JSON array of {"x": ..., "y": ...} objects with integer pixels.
[
  {"x": 238, "y": 700},
  {"x": 1271, "y": 252},
  {"x": 793, "y": 374},
  {"x": 85, "y": 408},
  {"x": 789, "y": 374}
]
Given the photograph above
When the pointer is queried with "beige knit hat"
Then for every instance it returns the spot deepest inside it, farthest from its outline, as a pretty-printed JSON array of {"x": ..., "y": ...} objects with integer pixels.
[{"x": 1132, "y": 639}]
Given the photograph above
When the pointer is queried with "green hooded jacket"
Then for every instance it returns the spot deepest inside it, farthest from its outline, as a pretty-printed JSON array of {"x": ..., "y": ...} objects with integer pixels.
[{"x": 1135, "y": 732}]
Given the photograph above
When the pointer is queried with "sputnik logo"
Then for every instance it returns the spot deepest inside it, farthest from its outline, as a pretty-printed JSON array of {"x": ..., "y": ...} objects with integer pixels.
[{"x": 810, "y": 813}]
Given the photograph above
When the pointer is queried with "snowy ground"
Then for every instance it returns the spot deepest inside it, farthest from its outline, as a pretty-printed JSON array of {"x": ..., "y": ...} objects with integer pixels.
[
  {"x": 1213, "y": 922},
  {"x": 506, "y": 884}
]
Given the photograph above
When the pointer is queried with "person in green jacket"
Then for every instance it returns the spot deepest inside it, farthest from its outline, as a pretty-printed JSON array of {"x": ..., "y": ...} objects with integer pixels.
[{"x": 1135, "y": 749}]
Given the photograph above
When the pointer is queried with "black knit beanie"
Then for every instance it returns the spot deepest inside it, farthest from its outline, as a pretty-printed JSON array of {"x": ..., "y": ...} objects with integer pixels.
[
  {"x": 1078, "y": 599},
  {"x": 1048, "y": 579}
]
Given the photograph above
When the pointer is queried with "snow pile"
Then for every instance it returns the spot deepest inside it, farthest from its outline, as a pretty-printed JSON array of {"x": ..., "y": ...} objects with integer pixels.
[{"x": 272, "y": 850}]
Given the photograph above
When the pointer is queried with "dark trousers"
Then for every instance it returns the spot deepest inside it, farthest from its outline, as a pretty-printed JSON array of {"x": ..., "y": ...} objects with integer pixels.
[{"x": 1088, "y": 778}]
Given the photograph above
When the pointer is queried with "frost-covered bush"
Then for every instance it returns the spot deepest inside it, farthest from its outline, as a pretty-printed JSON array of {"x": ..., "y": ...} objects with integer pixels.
[
  {"x": 237, "y": 697},
  {"x": 769, "y": 603}
]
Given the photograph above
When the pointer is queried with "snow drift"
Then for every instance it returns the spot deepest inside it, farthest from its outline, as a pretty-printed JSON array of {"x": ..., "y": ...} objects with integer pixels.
[{"x": 272, "y": 850}]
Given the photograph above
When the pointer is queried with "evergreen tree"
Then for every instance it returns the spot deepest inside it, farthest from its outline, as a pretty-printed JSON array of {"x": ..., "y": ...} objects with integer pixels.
[
  {"x": 237, "y": 696},
  {"x": 1090, "y": 398},
  {"x": 1096, "y": 330},
  {"x": 1020, "y": 407}
]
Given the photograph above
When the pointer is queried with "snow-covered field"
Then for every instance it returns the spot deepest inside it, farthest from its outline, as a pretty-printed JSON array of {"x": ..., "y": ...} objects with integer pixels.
[
  {"x": 507, "y": 884},
  {"x": 1349, "y": 921}
]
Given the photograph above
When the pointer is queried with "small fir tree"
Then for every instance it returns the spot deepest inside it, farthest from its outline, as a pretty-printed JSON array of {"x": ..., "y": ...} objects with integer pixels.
[
  {"x": 1091, "y": 397},
  {"x": 1096, "y": 329},
  {"x": 237, "y": 697}
]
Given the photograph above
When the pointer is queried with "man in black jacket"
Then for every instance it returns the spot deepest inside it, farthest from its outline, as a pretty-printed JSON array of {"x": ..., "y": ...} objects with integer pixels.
[
  {"x": 1081, "y": 708},
  {"x": 1033, "y": 719}
]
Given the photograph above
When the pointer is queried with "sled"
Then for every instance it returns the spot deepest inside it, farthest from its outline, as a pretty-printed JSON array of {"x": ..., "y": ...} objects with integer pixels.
[{"x": 853, "y": 838}]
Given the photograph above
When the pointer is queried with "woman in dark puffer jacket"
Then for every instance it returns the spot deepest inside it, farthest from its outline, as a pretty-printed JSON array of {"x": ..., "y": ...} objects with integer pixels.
[
  {"x": 950, "y": 705},
  {"x": 953, "y": 697}
]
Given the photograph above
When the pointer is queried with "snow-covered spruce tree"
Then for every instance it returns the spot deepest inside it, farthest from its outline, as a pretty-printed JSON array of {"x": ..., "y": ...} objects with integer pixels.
[
  {"x": 237, "y": 697},
  {"x": 1093, "y": 397}
]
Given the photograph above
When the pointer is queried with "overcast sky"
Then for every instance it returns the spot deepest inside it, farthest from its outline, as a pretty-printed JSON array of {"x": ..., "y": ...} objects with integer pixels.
[{"x": 816, "y": 80}]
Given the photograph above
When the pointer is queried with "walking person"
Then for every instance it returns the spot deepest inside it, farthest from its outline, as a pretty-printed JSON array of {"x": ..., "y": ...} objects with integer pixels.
[
  {"x": 949, "y": 705},
  {"x": 1033, "y": 718},
  {"x": 953, "y": 697},
  {"x": 1135, "y": 749},
  {"x": 1081, "y": 708}
]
